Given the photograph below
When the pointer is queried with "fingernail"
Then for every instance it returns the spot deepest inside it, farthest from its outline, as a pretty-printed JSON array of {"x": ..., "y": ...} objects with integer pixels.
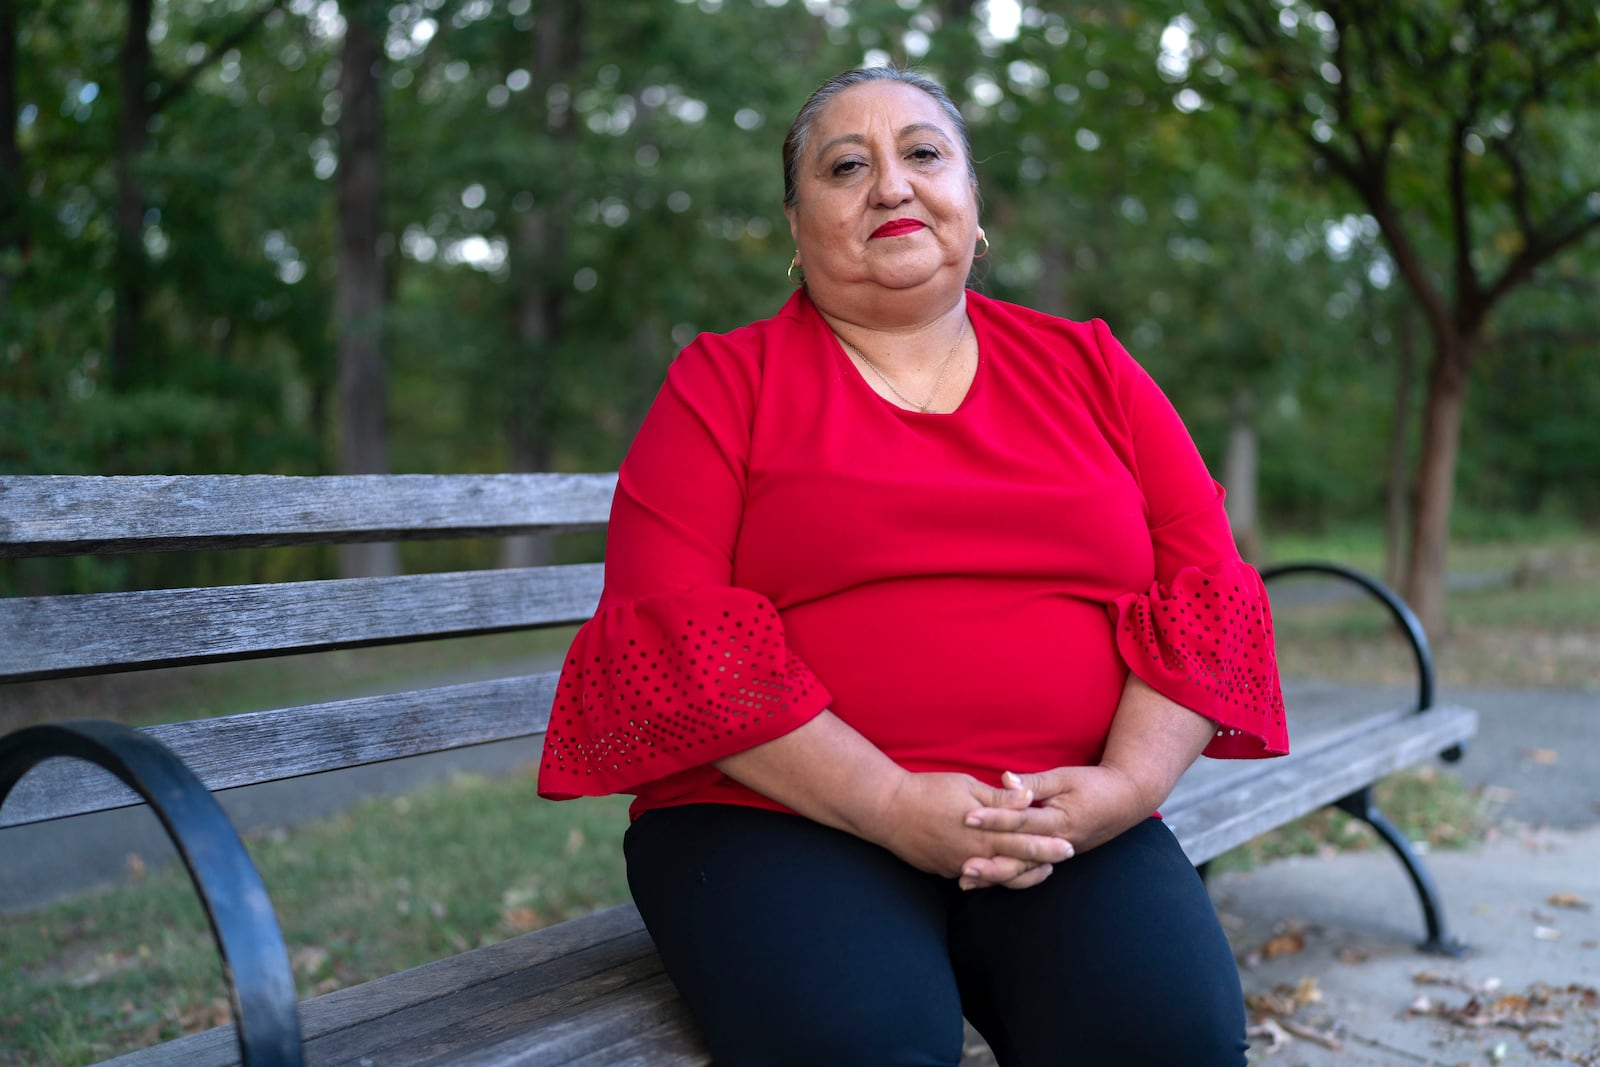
[
  {"x": 973, "y": 820},
  {"x": 969, "y": 872},
  {"x": 1011, "y": 780}
]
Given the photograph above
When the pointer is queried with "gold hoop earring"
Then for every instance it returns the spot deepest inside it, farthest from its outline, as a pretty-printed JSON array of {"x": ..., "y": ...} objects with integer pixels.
[
  {"x": 794, "y": 266},
  {"x": 982, "y": 237}
]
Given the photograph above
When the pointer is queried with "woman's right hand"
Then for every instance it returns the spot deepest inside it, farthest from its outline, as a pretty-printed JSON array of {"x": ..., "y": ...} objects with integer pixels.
[{"x": 925, "y": 824}]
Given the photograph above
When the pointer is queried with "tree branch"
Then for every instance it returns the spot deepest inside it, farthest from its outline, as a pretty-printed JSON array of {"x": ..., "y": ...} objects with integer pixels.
[
  {"x": 1345, "y": 93},
  {"x": 1519, "y": 186},
  {"x": 1467, "y": 288},
  {"x": 185, "y": 81},
  {"x": 1407, "y": 259},
  {"x": 1541, "y": 249}
]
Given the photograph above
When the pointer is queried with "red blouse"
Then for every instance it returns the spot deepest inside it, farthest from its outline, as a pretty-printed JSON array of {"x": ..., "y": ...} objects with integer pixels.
[{"x": 968, "y": 590}]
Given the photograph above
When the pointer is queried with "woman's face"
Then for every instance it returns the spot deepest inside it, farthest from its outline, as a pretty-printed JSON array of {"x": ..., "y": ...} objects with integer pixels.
[{"x": 884, "y": 195}]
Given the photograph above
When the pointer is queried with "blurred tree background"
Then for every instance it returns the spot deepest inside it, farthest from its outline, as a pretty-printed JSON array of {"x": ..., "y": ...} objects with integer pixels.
[{"x": 1358, "y": 242}]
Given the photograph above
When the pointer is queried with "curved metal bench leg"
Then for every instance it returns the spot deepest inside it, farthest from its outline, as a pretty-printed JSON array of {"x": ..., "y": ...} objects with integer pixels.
[
  {"x": 255, "y": 965},
  {"x": 1439, "y": 940}
]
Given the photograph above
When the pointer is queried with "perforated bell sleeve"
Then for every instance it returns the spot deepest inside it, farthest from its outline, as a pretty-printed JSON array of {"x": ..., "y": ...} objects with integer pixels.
[
  {"x": 1204, "y": 640},
  {"x": 1201, "y": 633},
  {"x": 677, "y": 668},
  {"x": 663, "y": 685}
]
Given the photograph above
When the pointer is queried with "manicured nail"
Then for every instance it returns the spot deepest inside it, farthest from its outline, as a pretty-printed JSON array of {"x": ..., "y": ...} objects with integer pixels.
[
  {"x": 974, "y": 820},
  {"x": 1011, "y": 780}
]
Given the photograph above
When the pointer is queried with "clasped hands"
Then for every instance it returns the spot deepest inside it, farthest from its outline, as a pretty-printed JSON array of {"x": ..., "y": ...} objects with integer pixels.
[{"x": 956, "y": 826}]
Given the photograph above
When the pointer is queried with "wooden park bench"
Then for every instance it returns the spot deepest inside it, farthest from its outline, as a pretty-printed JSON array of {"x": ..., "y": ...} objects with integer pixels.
[{"x": 585, "y": 992}]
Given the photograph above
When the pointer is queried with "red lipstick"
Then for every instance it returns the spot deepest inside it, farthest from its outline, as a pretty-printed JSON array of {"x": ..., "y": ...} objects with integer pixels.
[{"x": 898, "y": 228}]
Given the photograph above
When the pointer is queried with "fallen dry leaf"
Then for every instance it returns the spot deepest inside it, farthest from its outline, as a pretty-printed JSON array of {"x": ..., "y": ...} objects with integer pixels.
[
  {"x": 1544, "y": 757},
  {"x": 310, "y": 960},
  {"x": 204, "y": 1016},
  {"x": 1283, "y": 945},
  {"x": 1540, "y": 1007},
  {"x": 522, "y": 919},
  {"x": 1284, "y": 1000},
  {"x": 1568, "y": 900}
]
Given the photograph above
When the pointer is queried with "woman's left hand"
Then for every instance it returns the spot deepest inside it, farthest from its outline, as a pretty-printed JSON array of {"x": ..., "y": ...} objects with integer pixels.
[{"x": 1086, "y": 806}]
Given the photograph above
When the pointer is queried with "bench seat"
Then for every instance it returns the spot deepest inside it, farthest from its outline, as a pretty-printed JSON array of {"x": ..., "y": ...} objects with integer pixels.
[{"x": 591, "y": 991}]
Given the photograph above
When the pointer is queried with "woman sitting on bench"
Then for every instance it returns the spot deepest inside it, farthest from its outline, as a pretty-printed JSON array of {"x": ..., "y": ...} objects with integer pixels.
[{"x": 917, "y": 605}]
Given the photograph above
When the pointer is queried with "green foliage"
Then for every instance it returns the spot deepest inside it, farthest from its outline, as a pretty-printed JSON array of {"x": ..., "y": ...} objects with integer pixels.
[{"x": 573, "y": 191}]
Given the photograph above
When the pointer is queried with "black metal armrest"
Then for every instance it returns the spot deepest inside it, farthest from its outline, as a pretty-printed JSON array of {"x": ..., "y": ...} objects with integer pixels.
[
  {"x": 1398, "y": 609},
  {"x": 255, "y": 965}
]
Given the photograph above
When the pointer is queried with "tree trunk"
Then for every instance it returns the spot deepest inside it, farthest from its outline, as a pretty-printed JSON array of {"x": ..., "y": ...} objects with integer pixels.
[
  {"x": 1436, "y": 478},
  {"x": 1397, "y": 492},
  {"x": 1239, "y": 476},
  {"x": 12, "y": 183},
  {"x": 363, "y": 428},
  {"x": 539, "y": 268},
  {"x": 538, "y": 313},
  {"x": 133, "y": 135}
]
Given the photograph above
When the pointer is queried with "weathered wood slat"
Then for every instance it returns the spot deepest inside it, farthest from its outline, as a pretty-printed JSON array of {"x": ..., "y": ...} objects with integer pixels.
[
  {"x": 583, "y": 948},
  {"x": 1265, "y": 795},
  {"x": 522, "y": 1003},
  {"x": 268, "y": 746},
  {"x": 57, "y": 515},
  {"x": 1208, "y": 777},
  {"x": 51, "y": 637},
  {"x": 646, "y": 1015},
  {"x": 675, "y": 1043}
]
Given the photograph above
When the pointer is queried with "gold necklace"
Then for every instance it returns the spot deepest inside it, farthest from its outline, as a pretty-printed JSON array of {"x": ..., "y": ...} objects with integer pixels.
[{"x": 944, "y": 368}]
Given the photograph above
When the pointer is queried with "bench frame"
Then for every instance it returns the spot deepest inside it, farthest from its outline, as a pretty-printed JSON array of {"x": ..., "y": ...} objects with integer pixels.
[{"x": 589, "y": 991}]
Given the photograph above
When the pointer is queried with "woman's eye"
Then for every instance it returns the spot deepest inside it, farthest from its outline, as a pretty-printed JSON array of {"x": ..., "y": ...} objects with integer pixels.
[
  {"x": 847, "y": 166},
  {"x": 924, "y": 153}
]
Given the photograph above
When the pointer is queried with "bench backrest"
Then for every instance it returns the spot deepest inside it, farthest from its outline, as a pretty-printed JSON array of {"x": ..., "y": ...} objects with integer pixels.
[{"x": 64, "y": 636}]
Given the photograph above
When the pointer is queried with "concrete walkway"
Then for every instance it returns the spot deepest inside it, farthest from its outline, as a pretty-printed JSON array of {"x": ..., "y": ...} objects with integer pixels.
[
  {"x": 1328, "y": 963},
  {"x": 1326, "y": 944}
]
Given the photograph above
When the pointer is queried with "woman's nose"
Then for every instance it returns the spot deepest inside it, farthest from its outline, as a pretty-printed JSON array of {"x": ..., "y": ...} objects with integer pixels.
[{"x": 893, "y": 185}]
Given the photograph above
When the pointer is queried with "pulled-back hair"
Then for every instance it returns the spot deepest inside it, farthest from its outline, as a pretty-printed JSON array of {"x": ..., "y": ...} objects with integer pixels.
[{"x": 794, "y": 145}]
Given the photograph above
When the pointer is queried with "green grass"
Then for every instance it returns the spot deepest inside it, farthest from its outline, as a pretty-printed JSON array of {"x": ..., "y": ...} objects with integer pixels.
[
  {"x": 392, "y": 884},
  {"x": 1536, "y": 624}
]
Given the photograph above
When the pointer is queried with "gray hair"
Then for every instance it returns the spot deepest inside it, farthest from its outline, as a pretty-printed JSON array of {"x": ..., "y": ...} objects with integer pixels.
[{"x": 794, "y": 145}]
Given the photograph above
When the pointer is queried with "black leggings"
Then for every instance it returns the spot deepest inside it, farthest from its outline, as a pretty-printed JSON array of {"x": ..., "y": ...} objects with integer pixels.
[{"x": 795, "y": 944}]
